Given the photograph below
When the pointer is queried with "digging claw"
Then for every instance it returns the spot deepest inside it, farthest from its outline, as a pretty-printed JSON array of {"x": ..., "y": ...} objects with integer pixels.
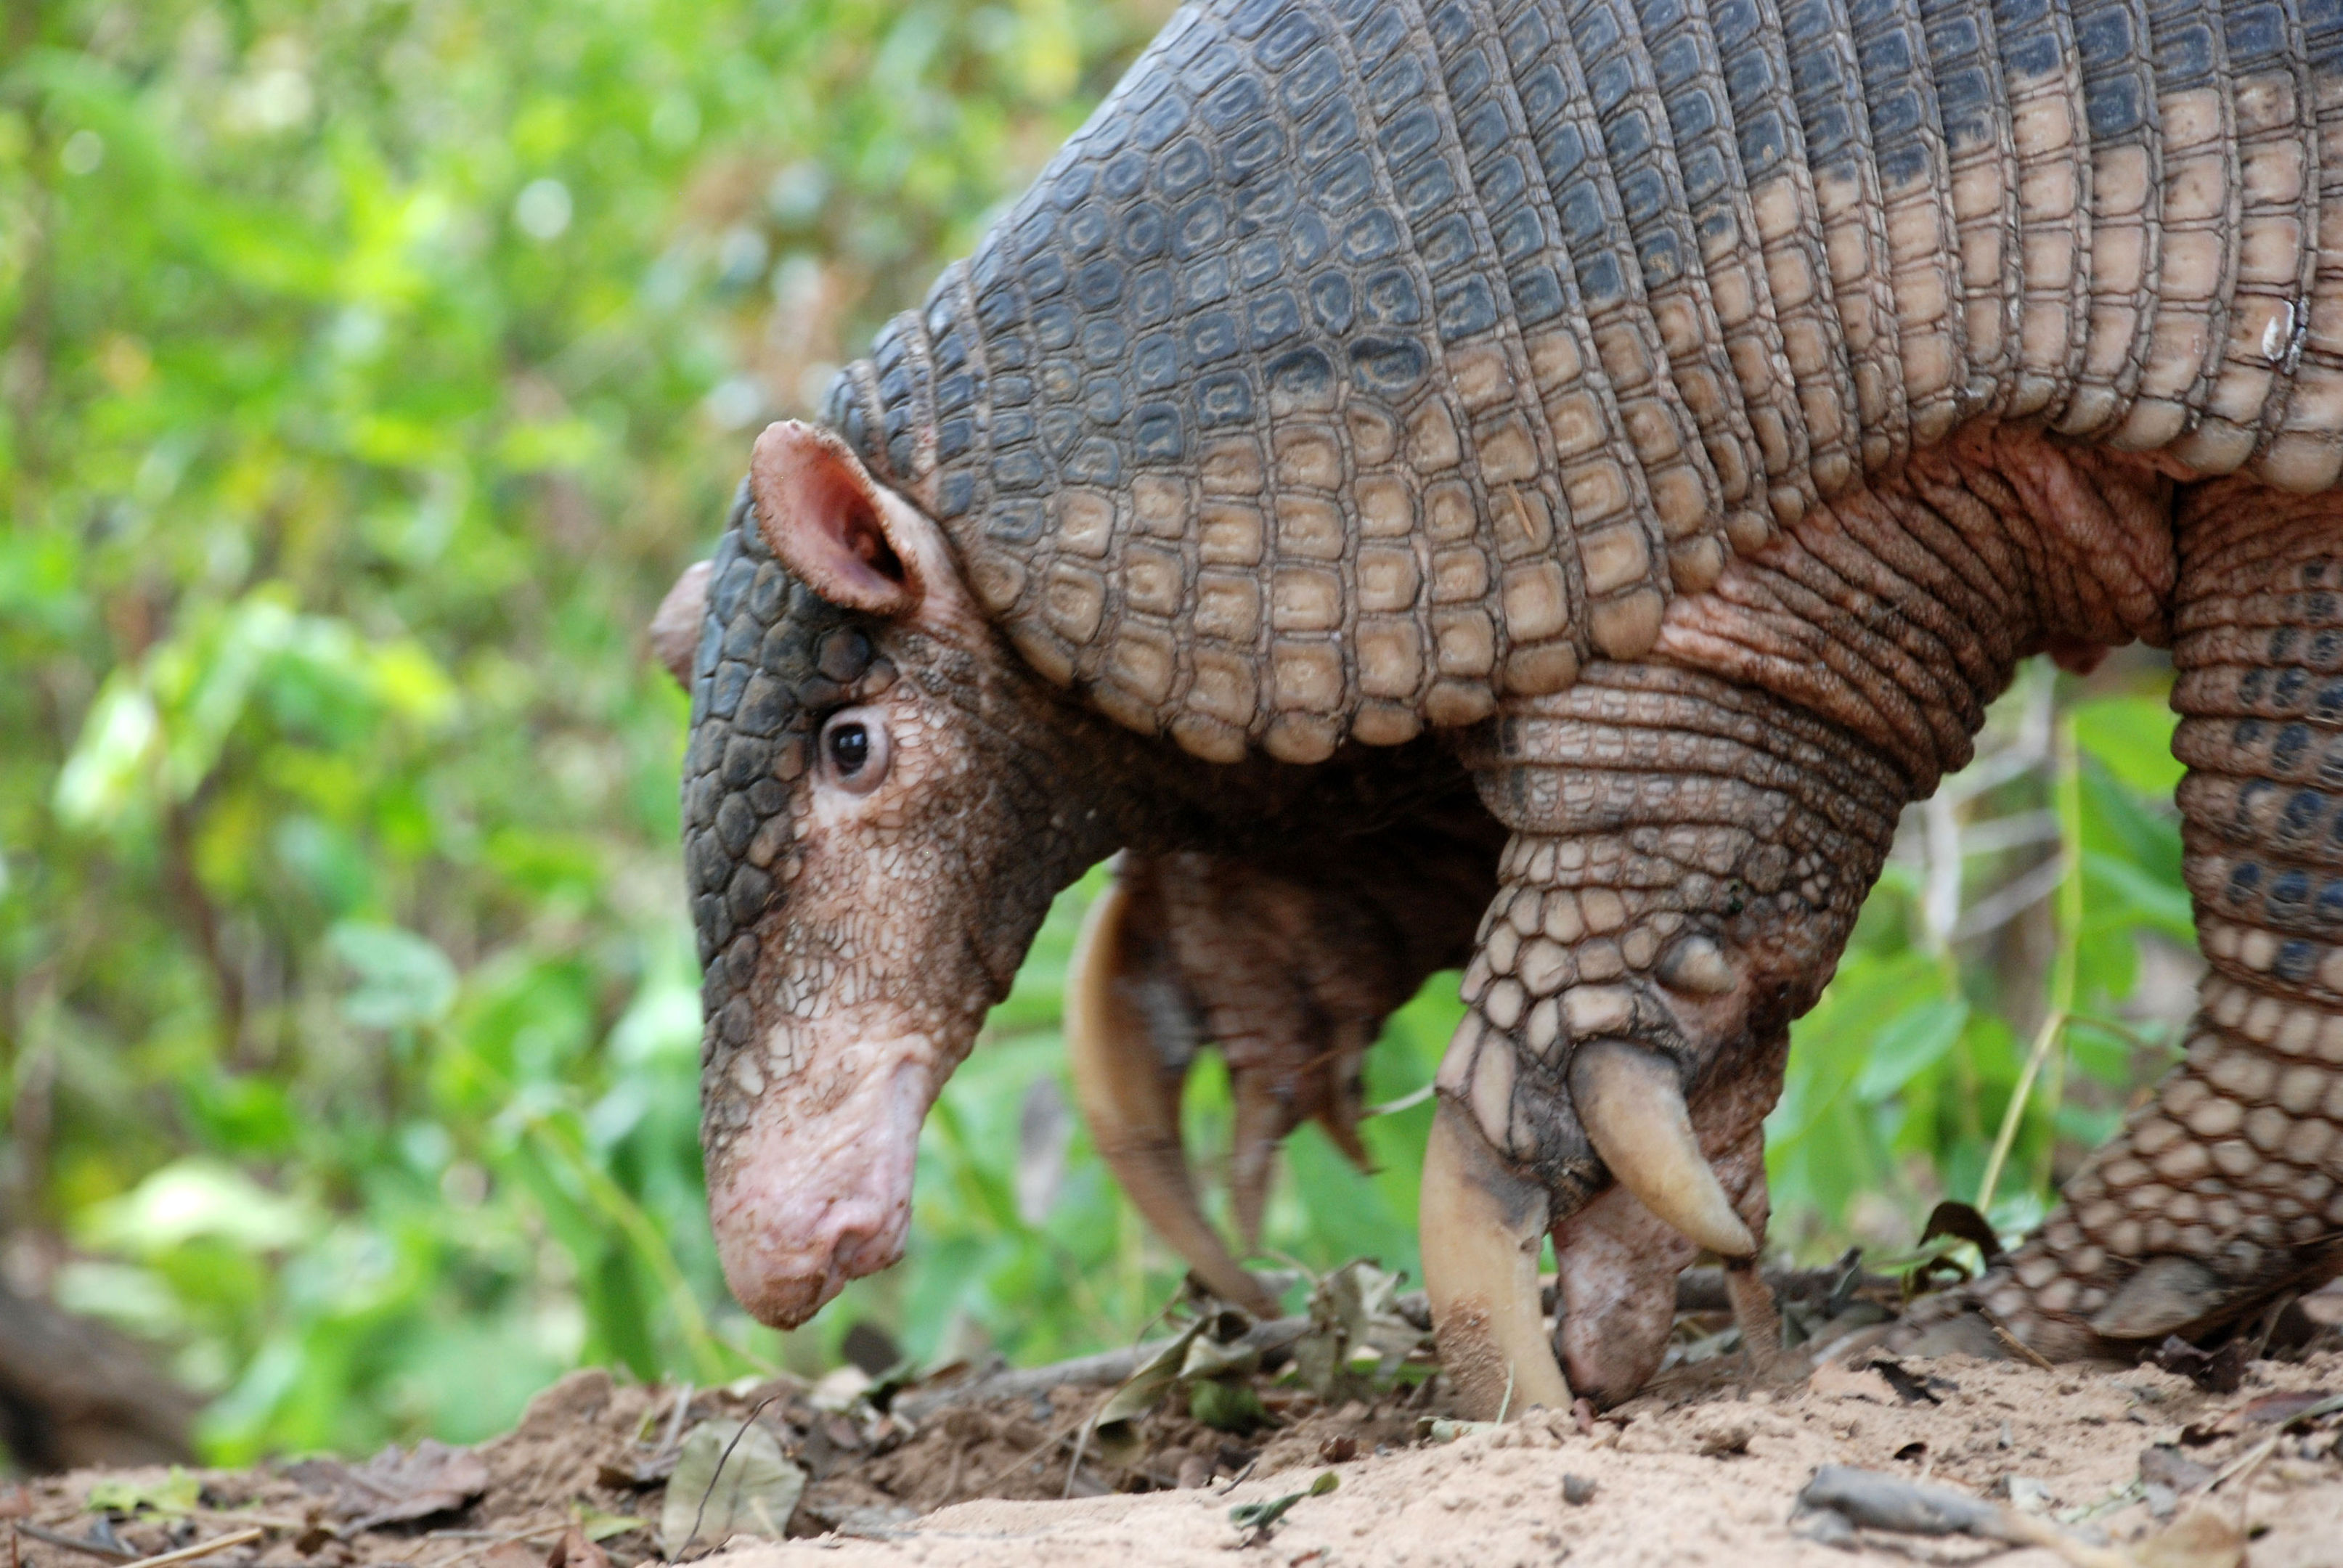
[
  {"x": 1481, "y": 1228},
  {"x": 1345, "y": 1100},
  {"x": 1128, "y": 1084},
  {"x": 1262, "y": 1120},
  {"x": 1633, "y": 1108}
]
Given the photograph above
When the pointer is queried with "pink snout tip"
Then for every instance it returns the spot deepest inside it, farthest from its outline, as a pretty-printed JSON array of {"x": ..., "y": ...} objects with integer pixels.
[{"x": 806, "y": 1203}]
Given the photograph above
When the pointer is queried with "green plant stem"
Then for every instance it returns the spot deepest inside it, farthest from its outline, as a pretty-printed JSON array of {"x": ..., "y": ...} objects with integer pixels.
[
  {"x": 561, "y": 1147},
  {"x": 2063, "y": 966}
]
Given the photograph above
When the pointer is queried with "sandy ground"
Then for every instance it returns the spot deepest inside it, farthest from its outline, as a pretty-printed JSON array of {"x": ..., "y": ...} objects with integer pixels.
[
  {"x": 1702, "y": 1470},
  {"x": 1710, "y": 1480}
]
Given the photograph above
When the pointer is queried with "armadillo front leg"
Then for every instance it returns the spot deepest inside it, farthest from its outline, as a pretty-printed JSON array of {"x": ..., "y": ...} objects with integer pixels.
[
  {"x": 2228, "y": 1186},
  {"x": 1687, "y": 860}
]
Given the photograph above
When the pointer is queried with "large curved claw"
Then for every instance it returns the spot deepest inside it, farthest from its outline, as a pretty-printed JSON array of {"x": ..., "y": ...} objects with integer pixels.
[
  {"x": 1276, "y": 1092},
  {"x": 1481, "y": 1227},
  {"x": 1632, "y": 1105},
  {"x": 1486, "y": 1207},
  {"x": 1127, "y": 1087},
  {"x": 1263, "y": 1118}
]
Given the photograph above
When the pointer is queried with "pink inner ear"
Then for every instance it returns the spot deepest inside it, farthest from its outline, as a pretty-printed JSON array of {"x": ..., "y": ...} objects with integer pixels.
[{"x": 823, "y": 518}]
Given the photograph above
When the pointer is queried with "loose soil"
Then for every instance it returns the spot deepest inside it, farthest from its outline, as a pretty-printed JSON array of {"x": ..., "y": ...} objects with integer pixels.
[{"x": 1702, "y": 1469}]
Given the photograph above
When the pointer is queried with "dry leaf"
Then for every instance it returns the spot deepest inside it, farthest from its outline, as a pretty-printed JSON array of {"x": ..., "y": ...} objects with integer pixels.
[
  {"x": 2201, "y": 1539},
  {"x": 728, "y": 1481},
  {"x": 394, "y": 1487},
  {"x": 573, "y": 1550}
]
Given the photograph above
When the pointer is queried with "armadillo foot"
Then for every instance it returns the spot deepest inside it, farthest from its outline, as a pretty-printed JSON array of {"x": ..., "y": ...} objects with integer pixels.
[
  {"x": 2215, "y": 1197},
  {"x": 1683, "y": 871},
  {"x": 1617, "y": 1250}
]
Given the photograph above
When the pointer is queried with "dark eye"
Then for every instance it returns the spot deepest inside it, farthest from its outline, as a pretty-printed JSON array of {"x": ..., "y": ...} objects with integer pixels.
[{"x": 854, "y": 748}]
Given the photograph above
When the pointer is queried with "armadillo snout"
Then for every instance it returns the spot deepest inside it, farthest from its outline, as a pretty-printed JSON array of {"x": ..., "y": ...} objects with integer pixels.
[{"x": 817, "y": 1191}]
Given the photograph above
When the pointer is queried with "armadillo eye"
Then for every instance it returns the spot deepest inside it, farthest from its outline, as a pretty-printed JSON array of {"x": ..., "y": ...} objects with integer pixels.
[{"x": 854, "y": 748}]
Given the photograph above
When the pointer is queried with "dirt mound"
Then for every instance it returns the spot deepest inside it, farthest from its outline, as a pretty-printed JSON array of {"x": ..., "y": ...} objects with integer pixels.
[{"x": 1702, "y": 1468}]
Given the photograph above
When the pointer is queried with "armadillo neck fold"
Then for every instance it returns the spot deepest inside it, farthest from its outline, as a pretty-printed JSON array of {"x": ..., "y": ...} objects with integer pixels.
[{"x": 1362, "y": 362}]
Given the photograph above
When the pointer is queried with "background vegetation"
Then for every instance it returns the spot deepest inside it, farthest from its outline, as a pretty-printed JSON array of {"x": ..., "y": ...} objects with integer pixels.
[{"x": 371, "y": 367}]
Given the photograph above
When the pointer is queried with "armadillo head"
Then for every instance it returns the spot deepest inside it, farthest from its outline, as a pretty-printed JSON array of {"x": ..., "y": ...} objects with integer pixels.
[{"x": 876, "y": 812}]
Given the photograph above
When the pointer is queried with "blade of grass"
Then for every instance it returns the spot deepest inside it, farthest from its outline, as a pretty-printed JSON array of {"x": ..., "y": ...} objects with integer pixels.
[{"x": 2068, "y": 791}]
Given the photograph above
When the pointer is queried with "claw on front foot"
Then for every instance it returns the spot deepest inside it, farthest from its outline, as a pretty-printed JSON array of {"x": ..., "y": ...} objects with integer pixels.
[
  {"x": 1633, "y": 1106},
  {"x": 1482, "y": 1227}
]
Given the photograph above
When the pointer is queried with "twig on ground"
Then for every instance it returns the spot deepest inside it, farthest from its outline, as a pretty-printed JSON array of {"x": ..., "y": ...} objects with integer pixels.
[
  {"x": 674, "y": 1433},
  {"x": 2013, "y": 1344},
  {"x": 201, "y": 1548},
  {"x": 2246, "y": 1482},
  {"x": 1886, "y": 1503},
  {"x": 75, "y": 1542},
  {"x": 1029, "y": 1456},
  {"x": 2244, "y": 1464}
]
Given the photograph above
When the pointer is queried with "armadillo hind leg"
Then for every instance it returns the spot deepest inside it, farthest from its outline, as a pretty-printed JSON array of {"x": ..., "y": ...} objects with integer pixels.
[
  {"x": 1288, "y": 963},
  {"x": 1132, "y": 1029},
  {"x": 1688, "y": 857},
  {"x": 2226, "y": 1188}
]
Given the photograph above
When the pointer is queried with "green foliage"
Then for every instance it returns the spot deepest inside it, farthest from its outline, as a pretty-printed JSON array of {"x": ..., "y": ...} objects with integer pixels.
[{"x": 371, "y": 370}]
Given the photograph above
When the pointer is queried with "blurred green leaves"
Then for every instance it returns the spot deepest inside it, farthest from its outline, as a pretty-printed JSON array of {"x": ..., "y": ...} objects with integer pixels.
[
  {"x": 1904, "y": 1073},
  {"x": 401, "y": 979},
  {"x": 369, "y": 372}
]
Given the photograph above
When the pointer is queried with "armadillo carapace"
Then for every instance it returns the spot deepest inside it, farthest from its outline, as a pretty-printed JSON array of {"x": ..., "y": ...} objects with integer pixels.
[{"x": 1541, "y": 484}]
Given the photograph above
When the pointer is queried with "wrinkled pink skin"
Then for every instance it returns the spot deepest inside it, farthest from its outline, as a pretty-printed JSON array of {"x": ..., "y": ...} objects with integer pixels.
[{"x": 809, "y": 1202}]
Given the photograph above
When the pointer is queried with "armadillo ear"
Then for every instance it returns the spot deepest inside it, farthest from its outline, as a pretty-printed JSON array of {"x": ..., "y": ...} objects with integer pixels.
[
  {"x": 675, "y": 629},
  {"x": 829, "y": 522}
]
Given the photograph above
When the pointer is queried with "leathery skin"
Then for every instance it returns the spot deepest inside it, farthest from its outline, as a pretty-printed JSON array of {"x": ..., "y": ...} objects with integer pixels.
[{"x": 1666, "y": 422}]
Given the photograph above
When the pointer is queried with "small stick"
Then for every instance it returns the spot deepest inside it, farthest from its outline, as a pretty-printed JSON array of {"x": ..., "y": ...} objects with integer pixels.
[
  {"x": 2246, "y": 1482},
  {"x": 270, "y": 1521},
  {"x": 76, "y": 1543},
  {"x": 1081, "y": 1442},
  {"x": 202, "y": 1548},
  {"x": 2243, "y": 1464},
  {"x": 1029, "y": 1456},
  {"x": 2012, "y": 1342},
  {"x": 675, "y": 1420}
]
